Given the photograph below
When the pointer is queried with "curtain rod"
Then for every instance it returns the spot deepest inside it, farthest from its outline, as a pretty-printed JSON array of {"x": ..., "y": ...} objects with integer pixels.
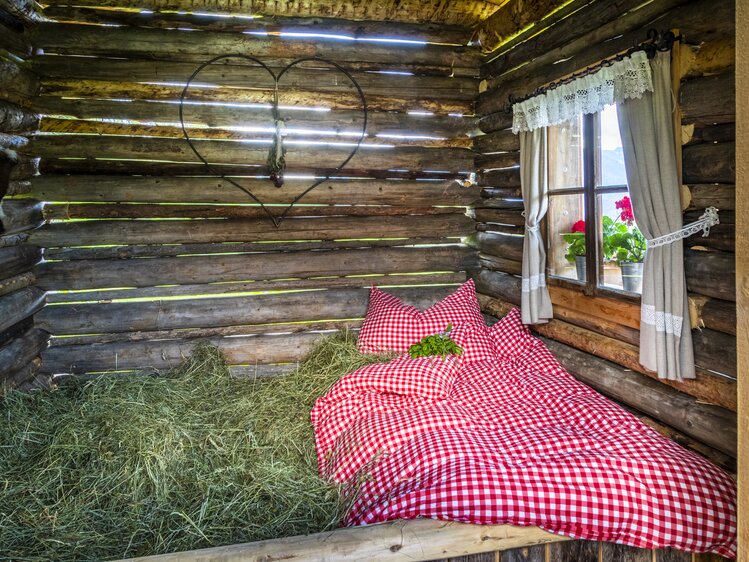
[{"x": 656, "y": 42}]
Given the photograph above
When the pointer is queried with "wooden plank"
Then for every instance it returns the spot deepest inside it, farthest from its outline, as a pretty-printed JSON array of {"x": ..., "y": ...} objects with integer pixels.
[
  {"x": 15, "y": 119},
  {"x": 61, "y": 38},
  {"x": 722, "y": 196},
  {"x": 427, "y": 32},
  {"x": 711, "y": 313},
  {"x": 491, "y": 121},
  {"x": 458, "y": 12},
  {"x": 18, "y": 215},
  {"x": 710, "y": 163},
  {"x": 138, "y": 211},
  {"x": 302, "y": 98},
  {"x": 91, "y": 274},
  {"x": 17, "y": 282},
  {"x": 712, "y": 425},
  {"x": 19, "y": 305},
  {"x": 232, "y": 117},
  {"x": 144, "y": 189},
  {"x": 16, "y": 354},
  {"x": 396, "y": 541},
  {"x": 502, "y": 140},
  {"x": 98, "y": 318},
  {"x": 514, "y": 16},
  {"x": 712, "y": 57},
  {"x": 24, "y": 377},
  {"x": 707, "y": 388},
  {"x": 503, "y": 265},
  {"x": 17, "y": 84},
  {"x": 499, "y": 216},
  {"x": 15, "y": 260},
  {"x": 696, "y": 133},
  {"x": 501, "y": 245},
  {"x": 527, "y": 554},
  {"x": 715, "y": 351},
  {"x": 672, "y": 555},
  {"x": 500, "y": 178},
  {"x": 497, "y": 161},
  {"x": 711, "y": 274},
  {"x": 709, "y": 99},
  {"x": 742, "y": 273},
  {"x": 98, "y": 232},
  {"x": 253, "y": 156},
  {"x": 238, "y": 74}
]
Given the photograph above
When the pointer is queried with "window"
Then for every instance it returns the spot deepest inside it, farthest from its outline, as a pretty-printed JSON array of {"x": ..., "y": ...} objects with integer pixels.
[{"x": 587, "y": 179}]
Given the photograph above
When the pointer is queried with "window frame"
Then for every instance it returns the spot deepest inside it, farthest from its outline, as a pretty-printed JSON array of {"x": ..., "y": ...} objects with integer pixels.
[{"x": 590, "y": 192}]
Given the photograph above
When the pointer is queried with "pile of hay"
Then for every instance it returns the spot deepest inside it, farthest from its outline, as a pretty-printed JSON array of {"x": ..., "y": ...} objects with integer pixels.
[{"x": 128, "y": 466}]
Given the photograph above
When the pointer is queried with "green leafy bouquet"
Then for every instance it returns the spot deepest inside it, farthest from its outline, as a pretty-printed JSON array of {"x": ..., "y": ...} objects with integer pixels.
[{"x": 436, "y": 344}]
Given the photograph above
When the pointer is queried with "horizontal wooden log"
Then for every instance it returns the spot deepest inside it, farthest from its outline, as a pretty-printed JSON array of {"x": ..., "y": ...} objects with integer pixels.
[
  {"x": 499, "y": 120},
  {"x": 165, "y": 354},
  {"x": 715, "y": 351},
  {"x": 143, "y": 189},
  {"x": 95, "y": 318},
  {"x": 298, "y": 123},
  {"x": 712, "y": 57},
  {"x": 12, "y": 38},
  {"x": 17, "y": 282},
  {"x": 459, "y": 12},
  {"x": 500, "y": 178},
  {"x": 17, "y": 215},
  {"x": 92, "y": 274},
  {"x": 500, "y": 245},
  {"x": 494, "y": 263},
  {"x": 23, "y": 378},
  {"x": 239, "y": 74},
  {"x": 586, "y": 20},
  {"x": 25, "y": 167},
  {"x": 15, "y": 260},
  {"x": 705, "y": 20},
  {"x": 696, "y": 133},
  {"x": 15, "y": 119},
  {"x": 501, "y": 193},
  {"x": 9, "y": 142},
  {"x": 710, "y": 163},
  {"x": 301, "y": 98},
  {"x": 168, "y": 250},
  {"x": 17, "y": 84},
  {"x": 709, "y": 99},
  {"x": 722, "y": 196},
  {"x": 176, "y": 231},
  {"x": 508, "y": 203},
  {"x": 176, "y": 45},
  {"x": 252, "y": 156},
  {"x": 19, "y": 305},
  {"x": 711, "y": 274},
  {"x": 712, "y": 313},
  {"x": 708, "y": 424},
  {"x": 722, "y": 236},
  {"x": 229, "y": 288},
  {"x": 514, "y": 17},
  {"x": 499, "y": 216},
  {"x": 427, "y": 32},
  {"x": 504, "y": 140},
  {"x": 19, "y": 352},
  {"x": 707, "y": 387},
  {"x": 68, "y": 211},
  {"x": 497, "y": 161}
]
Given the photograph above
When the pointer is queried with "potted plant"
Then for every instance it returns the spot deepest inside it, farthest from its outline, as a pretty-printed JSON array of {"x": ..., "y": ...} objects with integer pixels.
[
  {"x": 624, "y": 242},
  {"x": 575, "y": 240}
]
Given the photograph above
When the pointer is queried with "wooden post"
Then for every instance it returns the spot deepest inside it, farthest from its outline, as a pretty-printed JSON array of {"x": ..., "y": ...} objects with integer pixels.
[{"x": 742, "y": 271}]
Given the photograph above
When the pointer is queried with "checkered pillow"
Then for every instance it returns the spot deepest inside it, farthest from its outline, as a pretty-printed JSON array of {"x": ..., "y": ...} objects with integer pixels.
[
  {"x": 475, "y": 340},
  {"x": 392, "y": 325},
  {"x": 511, "y": 337}
]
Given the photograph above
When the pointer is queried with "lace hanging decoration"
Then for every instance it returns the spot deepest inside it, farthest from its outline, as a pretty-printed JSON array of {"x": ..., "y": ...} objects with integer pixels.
[{"x": 628, "y": 78}]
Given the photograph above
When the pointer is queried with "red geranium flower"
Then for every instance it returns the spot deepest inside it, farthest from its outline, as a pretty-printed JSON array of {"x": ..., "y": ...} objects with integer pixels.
[
  {"x": 625, "y": 205},
  {"x": 579, "y": 226}
]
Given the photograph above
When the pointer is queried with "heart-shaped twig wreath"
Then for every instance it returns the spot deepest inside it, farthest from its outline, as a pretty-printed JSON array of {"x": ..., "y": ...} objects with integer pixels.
[{"x": 276, "y": 155}]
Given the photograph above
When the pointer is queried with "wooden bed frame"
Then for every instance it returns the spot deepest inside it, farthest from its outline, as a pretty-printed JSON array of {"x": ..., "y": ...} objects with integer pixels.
[{"x": 396, "y": 541}]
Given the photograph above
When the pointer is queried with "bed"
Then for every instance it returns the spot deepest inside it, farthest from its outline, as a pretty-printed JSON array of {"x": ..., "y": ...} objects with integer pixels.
[{"x": 504, "y": 435}]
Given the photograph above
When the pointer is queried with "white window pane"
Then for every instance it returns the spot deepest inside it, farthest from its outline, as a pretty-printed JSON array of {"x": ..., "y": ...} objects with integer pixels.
[
  {"x": 565, "y": 155},
  {"x": 612, "y": 171},
  {"x": 623, "y": 246},
  {"x": 566, "y": 228}
]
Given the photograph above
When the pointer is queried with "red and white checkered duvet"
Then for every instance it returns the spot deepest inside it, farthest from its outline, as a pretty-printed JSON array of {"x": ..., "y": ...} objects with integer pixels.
[{"x": 519, "y": 442}]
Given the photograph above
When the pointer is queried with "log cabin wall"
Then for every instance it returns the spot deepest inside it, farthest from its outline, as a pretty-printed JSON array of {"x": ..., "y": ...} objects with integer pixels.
[
  {"x": 596, "y": 338},
  {"x": 20, "y": 342},
  {"x": 145, "y": 251}
]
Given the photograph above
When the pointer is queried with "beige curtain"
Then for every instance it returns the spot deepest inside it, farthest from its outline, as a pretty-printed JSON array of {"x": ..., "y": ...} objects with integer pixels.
[
  {"x": 535, "y": 303},
  {"x": 646, "y": 127}
]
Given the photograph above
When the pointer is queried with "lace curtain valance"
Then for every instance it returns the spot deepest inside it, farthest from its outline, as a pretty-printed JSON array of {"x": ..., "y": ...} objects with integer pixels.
[{"x": 628, "y": 78}]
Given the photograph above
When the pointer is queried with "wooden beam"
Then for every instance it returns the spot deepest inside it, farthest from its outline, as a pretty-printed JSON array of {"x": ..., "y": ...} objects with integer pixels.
[
  {"x": 239, "y": 230},
  {"x": 19, "y": 305},
  {"x": 144, "y": 189},
  {"x": 15, "y": 119},
  {"x": 94, "y": 274},
  {"x": 17, "y": 85},
  {"x": 711, "y": 274},
  {"x": 514, "y": 17},
  {"x": 396, "y": 541},
  {"x": 709, "y": 99},
  {"x": 16, "y": 354},
  {"x": 742, "y": 273},
  {"x": 427, "y": 32},
  {"x": 176, "y": 45},
  {"x": 252, "y": 156}
]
